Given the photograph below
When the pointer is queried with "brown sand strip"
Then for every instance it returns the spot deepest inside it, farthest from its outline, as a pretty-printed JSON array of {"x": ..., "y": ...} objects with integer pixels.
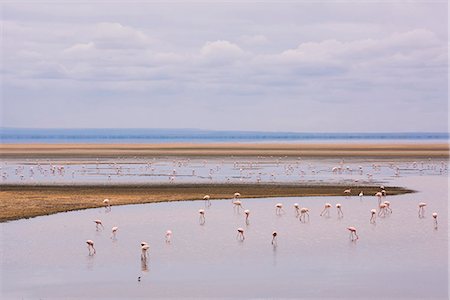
[
  {"x": 19, "y": 201},
  {"x": 205, "y": 150}
]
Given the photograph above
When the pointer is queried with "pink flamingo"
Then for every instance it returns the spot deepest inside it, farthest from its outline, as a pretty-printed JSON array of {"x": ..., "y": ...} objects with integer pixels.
[
  {"x": 388, "y": 206},
  {"x": 297, "y": 209},
  {"x": 422, "y": 209},
  {"x": 279, "y": 209},
  {"x": 274, "y": 238},
  {"x": 373, "y": 216},
  {"x": 348, "y": 192},
  {"x": 247, "y": 214},
  {"x": 207, "y": 202},
  {"x": 98, "y": 223},
  {"x": 202, "y": 216},
  {"x": 168, "y": 236},
  {"x": 303, "y": 213},
  {"x": 326, "y": 210},
  {"x": 114, "y": 232},
  {"x": 144, "y": 250},
  {"x": 435, "y": 219},
  {"x": 240, "y": 234},
  {"x": 382, "y": 211},
  {"x": 353, "y": 235},
  {"x": 107, "y": 205},
  {"x": 90, "y": 245},
  {"x": 339, "y": 210},
  {"x": 237, "y": 204}
]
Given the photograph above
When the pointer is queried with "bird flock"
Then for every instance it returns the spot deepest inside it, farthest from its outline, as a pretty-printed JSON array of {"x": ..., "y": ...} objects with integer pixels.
[{"x": 302, "y": 213}]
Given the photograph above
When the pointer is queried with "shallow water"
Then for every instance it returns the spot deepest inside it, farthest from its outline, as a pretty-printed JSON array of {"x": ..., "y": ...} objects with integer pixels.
[{"x": 401, "y": 256}]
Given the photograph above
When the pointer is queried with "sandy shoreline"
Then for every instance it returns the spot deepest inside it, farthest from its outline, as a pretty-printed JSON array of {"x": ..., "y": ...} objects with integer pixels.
[
  {"x": 434, "y": 150},
  {"x": 18, "y": 201}
]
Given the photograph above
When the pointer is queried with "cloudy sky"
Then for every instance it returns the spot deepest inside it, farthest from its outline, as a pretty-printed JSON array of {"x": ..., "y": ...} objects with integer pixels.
[{"x": 238, "y": 65}]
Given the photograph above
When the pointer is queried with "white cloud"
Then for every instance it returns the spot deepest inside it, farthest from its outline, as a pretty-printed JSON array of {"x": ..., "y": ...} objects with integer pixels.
[{"x": 221, "y": 52}]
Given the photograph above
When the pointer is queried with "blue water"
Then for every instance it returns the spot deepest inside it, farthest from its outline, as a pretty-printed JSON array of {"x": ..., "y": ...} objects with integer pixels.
[{"x": 20, "y": 135}]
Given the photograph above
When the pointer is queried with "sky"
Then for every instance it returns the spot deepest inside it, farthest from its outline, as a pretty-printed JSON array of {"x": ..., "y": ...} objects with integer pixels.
[{"x": 300, "y": 66}]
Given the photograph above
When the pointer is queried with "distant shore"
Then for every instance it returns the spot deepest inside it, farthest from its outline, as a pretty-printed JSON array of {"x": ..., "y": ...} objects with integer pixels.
[
  {"x": 19, "y": 201},
  {"x": 434, "y": 150}
]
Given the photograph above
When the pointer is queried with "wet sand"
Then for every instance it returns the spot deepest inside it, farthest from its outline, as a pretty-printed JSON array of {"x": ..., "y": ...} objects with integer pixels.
[
  {"x": 25, "y": 201},
  {"x": 435, "y": 150}
]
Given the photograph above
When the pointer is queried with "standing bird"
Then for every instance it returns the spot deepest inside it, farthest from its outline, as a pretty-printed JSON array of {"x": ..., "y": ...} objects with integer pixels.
[
  {"x": 297, "y": 209},
  {"x": 274, "y": 238},
  {"x": 339, "y": 210},
  {"x": 435, "y": 220},
  {"x": 207, "y": 202},
  {"x": 303, "y": 213},
  {"x": 240, "y": 234},
  {"x": 361, "y": 194},
  {"x": 382, "y": 212},
  {"x": 388, "y": 206},
  {"x": 279, "y": 209},
  {"x": 236, "y": 195},
  {"x": 107, "y": 205},
  {"x": 144, "y": 250},
  {"x": 353, "y": 235},
  {"x": 422, "y": 209},
  {"x": 237, "y": 204},
  {"x": 114, "y": 232},
  {"x": 247, "y": 214},
  {"x": 326, "y": 210},
  {"x": 379, "y": 195},
  {"x": 348, "y": 192},
  {"x": 90, "y": 245},
  {"x": 202, "y": 216},
  {"x": 98, "y": 223},
  {"x": 168, "y": 236},
  {"x": 373, "y": 213}
]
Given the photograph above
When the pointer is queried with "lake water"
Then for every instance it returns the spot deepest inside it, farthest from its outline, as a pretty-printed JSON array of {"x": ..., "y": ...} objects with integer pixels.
[{"x": 401, "y": 256}]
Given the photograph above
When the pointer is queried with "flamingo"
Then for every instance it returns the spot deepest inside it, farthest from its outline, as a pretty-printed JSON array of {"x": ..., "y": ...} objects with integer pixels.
[
  {"x": 326, "y": 210},
  {"x": 247, "y": 214},
  {"x": 279, "y": 209},
  {"x": 348, "y": 192},
  {"x": 382, "y": 211},
  {"x": 422, "y": 209},
  {"x": 202, "y": 216},
  {"x": 339, "y": 210},
  {"x": 297, "y": 209},
  {"x": 383, "y": 192},
  {"x": 303, "y": 213},
  {"x": 274, "y": 238},
  {"x": 361, "y": 194},
  {"x": 236, "y": 195},
  {"x": 207, "y": 202},
  {"x": 379, "y": 195},
  {"x": 168, "y": 236},
  {"x": 107, "y": 204},
  {"x": 353, "y": 235},
  {"x": 435, "y": 219},
  {"x": 237, "y": 204},
  {"x": 240, "y": 234},
  {"x": 373, "y": 216},
  {"x": 114, "y": 232},
  {"x": 98, "y": 223},
  {"x": 90, "y": 245},
  {"x": 144, "y": 250},
  {"x": 388, "y": 206}
]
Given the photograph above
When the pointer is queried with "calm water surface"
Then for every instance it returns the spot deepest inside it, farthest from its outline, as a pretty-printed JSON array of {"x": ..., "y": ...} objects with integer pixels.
[{"x": 401, "y": 256}]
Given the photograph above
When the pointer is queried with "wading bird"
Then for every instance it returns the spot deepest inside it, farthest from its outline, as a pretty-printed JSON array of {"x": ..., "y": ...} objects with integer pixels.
[
  {"x": 107, "y": 205},
  {"x": 435, "y": 219},
  {"x": 304, "y": 212},
  {"x": 274, "y": 238},
  {"x": 90, "y": 245},
  {"x": 114, "y": 232},
  {"x": 422, "y": 209},
  {"x": 168, "y": 236},
  {"x": 98, "y": 223},
  {"x": 373, "y": 213},
  {"x": 247, "y": 214},
  {"x": 237, "y": 204},
  {"x": 339, "y": 210},
  {"x": 353, "y": 235},
  {"x": 240, "y": 234},
  {"x": 202, "y": 216},
  {"x": 144, "y": 250},
  {"x": 326, "y": 210},
  {"x": 207, "y": 202},
  {"x": 297, "y": 209},
  {"x": 279, "y": 209}
]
